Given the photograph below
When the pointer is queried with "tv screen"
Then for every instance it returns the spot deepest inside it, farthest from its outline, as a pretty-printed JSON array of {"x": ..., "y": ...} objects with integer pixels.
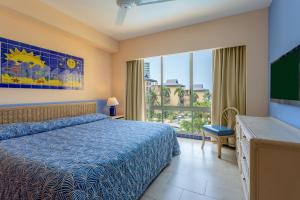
[{"x": 285, "y": 77}]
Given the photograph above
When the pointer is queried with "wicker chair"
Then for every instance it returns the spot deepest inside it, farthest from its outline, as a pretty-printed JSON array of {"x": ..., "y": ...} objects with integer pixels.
[{"x": 219, "y": 132}]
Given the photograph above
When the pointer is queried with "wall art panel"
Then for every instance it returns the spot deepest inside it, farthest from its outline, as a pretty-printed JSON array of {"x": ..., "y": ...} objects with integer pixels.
[{"x": 27, "y": 66}]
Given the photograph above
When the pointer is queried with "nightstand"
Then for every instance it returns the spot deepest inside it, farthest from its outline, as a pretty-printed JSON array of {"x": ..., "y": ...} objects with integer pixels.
[{"x": 117, "y": 117}]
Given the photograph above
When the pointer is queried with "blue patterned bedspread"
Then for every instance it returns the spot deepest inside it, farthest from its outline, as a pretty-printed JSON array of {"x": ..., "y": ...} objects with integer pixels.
[{"x": 86, "y": 157}]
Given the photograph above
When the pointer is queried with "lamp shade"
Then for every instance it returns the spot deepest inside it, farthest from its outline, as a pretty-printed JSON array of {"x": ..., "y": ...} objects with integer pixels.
[{"x": 112, "y": 101}]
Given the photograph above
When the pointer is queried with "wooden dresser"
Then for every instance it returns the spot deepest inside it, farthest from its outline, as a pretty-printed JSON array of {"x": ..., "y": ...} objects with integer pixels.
[{"x": 268, "y": 153}]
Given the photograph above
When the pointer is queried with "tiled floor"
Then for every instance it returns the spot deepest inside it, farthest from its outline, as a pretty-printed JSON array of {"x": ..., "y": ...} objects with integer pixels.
[{"x": 198, "y": 175}]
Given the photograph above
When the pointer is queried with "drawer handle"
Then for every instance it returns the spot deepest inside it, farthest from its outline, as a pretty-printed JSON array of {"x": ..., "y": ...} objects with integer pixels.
[
  {"x": 244, "y": 157},
  {"x": 244, "y": 136},
  {"x": 244, "y": 179}
]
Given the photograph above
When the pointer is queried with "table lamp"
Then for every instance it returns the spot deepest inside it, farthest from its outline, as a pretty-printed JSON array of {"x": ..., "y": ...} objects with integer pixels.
[{"x": 112, "y": 102}]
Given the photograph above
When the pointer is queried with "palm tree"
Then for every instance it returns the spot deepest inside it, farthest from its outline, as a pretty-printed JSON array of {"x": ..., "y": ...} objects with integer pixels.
[
  {"x": 180, "y": 92},
  {"x": 165, "y": 92},
  {"x": 195, "y": 96},
  {"x": 152, "y": 100},
  {"x": 152, "y": 97}
]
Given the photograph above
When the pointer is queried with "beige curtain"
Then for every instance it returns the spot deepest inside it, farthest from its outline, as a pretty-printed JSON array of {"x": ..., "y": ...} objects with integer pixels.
[
  {"x": 229, "y": 81},
  {"x": 134, "y": 108}
]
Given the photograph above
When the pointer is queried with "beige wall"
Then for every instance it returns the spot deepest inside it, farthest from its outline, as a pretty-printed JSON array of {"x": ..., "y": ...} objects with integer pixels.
[
  {"x": 53, "y": 17},
  {"x": 250, "y": 29},
  {"x": 97, "y": 78}
]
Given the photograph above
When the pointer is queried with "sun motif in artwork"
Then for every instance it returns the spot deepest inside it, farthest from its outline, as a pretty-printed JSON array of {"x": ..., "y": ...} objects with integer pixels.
[
  {"x": 23, "y": 56},
  {"x": 71, "y": 63}
]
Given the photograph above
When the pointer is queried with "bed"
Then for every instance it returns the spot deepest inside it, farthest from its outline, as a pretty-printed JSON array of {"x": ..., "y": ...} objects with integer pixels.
[{"x": 67, "y": 152}]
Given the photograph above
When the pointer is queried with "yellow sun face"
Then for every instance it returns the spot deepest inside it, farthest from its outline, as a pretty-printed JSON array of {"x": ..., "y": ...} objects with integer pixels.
[
  {"x": 71, "y": 63},
  {"x": 24, "y": 56}
]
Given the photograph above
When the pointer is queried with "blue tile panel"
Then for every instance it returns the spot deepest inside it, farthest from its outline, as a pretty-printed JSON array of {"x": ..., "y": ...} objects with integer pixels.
[{"x": 28, "y": 66}]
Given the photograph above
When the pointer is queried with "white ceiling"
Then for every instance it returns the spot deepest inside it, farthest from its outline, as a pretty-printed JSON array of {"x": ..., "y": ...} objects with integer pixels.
[{"x": 143, "y": 20}]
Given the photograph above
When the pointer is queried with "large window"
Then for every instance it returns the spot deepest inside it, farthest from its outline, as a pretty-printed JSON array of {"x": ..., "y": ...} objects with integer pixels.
[{"x": 178, "y": 90}]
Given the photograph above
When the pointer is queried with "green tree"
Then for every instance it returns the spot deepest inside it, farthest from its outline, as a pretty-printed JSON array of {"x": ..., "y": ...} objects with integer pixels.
[
  {"x": 152, "y": 97},
  {"x": 198, "y": 123},
  {"x": 158, "y": 116},
  {"x": 152, "y": 100},
  {"x": 202, "y": 104},
  {"x": 166, "y": 114},
  {"x": 186, "y": 126},
  {"x": 195, "y": 96},
  {"x": 166, "y": 92},
  {"x": 180, "y": 93},
  {"x": 199, "y": 119},
  {"x": 206, "y": 101}
]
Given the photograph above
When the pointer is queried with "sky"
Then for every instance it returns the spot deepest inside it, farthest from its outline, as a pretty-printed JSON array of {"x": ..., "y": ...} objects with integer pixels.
[{"x": 176, "y": 66}]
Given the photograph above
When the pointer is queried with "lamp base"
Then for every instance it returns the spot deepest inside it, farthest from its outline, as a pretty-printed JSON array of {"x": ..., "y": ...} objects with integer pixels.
[{"x": 112, "y": 111}]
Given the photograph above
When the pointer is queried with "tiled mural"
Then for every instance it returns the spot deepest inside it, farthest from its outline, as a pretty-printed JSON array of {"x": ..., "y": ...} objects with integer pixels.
[{"x": 27, "y": 66}]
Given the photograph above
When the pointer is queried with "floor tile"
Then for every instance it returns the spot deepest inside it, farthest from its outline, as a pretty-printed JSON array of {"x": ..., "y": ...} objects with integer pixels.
[
  {"x": 198, "y": 174},
  {"x": 193, "y": 182},
  {"x": 163, "y": 192},
  {"x": 224, "y": 192},
  {"x": 147, "y": 198},
  {"x": 186, "y": 195}
]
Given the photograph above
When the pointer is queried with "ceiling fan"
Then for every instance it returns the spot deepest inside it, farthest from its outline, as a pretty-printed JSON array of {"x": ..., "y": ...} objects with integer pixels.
[{"x": 125, "y": 5}]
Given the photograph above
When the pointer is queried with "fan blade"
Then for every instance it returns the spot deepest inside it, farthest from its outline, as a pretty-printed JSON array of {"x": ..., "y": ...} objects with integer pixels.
[
  {"x": 142, "y": 3},
  {"x": 121, "y": 16}
]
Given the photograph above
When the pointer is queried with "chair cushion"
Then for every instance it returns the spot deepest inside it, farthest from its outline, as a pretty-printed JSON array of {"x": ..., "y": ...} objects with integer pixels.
[{"x": 218, "y": 130}]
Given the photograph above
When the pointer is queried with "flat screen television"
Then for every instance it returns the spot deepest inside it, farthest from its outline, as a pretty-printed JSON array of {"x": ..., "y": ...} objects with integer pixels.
[{"x": 285, "y": 78}]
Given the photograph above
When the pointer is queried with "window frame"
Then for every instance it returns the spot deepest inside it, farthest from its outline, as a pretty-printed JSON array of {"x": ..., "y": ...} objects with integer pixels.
[{"x": 191, "y": 108}]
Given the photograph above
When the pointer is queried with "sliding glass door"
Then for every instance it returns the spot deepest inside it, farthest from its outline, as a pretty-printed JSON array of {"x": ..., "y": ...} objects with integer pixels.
[{"x": 178, "y": 90}]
